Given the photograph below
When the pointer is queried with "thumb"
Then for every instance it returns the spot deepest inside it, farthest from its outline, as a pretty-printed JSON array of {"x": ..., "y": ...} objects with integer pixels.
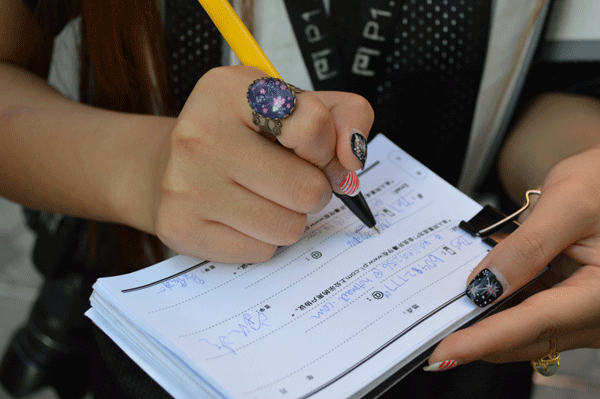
[
  {"x": 352, "y": 117},
  {"x": 328, "y": 132}
]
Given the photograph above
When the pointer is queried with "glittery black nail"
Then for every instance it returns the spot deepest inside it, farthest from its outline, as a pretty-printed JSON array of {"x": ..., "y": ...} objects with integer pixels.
[
  {"x": 484, "y": 289},
  {"x": 359, "y": 147}
]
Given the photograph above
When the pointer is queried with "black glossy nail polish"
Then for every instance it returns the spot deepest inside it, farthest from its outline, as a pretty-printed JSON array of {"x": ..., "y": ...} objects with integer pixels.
[
  {"x": 484, "y": 289},
  {"x": 359, "y": 146}
]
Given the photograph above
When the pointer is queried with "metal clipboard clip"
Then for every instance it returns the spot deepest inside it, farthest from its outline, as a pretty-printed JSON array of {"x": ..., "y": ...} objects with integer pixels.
[{"x": 492, "y": 225}]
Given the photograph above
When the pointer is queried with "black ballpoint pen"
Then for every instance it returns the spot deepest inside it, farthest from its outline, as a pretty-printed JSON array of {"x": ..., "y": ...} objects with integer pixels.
[
  {"x": 358, "y": 205},
  {"x": 355, "y": 201}
]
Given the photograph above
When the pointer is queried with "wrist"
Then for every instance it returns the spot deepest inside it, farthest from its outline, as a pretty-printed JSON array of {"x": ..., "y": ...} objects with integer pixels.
[{"x": 135, "y": 187}]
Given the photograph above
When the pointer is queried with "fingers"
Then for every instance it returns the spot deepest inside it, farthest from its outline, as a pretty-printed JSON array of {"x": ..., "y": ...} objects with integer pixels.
[
  {"x": 241, "y": 209},
  {"x": 327, "y": 130},
  {"x": 588, "y": 338},
  {"x": 244, "y": 234},
  {"x": 323, "y": 128},
  {"x": 223, "y": 181},
  {"x": 218, "y": 242},
  {"x": 566, "y": 217},
  {"x": 328, "y": 124},
  {"x": 352, "y": 117},
  {"x": 568, "y": 313},
  {"x": 540, "y": 348},
  {"x": 234, "y": 203},
  {"x": 556, "y": 222},
  {"x": 278, "y": 175},
  {"x": 536, "y": 350},
  {"x": 233, "y": 145}
]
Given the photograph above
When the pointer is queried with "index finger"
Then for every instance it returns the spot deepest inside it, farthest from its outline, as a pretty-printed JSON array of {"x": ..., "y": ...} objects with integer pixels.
[
  {"x": 553, "y": 225},
  {"x": 569, "y": 307}
]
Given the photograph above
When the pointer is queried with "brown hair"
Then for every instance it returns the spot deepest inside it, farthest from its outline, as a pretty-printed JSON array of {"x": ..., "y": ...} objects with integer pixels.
[
  {"x": 124, "y": 67},
  {"x": 124, "y": 44}
]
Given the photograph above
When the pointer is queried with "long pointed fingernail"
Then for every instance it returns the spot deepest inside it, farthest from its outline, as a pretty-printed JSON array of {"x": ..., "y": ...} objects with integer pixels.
[
  {"x": 441, "y": 366},
  {"x": 351, "y": 185},
  {"x": 485, "y": 288},
  {"x": 358, "y": 143}
]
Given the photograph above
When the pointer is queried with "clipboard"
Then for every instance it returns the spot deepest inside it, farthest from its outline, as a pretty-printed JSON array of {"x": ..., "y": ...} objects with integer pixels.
[
  {"x": 345, "y": 300},
  {"x": 492, "y": 226}
]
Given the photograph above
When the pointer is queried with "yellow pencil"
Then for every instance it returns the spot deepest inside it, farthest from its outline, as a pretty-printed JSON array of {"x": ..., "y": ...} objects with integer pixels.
[{"x": 237, "y": 36}]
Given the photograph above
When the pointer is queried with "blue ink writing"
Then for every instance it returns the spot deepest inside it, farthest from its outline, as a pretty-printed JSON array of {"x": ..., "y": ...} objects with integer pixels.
[{"x": 247, "y": 326}]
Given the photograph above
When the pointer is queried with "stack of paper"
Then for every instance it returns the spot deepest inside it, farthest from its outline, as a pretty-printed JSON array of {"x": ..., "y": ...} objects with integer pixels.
[{"x": 332, "y": 316}]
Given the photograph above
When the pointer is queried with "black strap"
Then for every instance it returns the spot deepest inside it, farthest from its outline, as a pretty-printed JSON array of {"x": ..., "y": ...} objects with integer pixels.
[
  {"x": 317, "y": 43},
  {"x": 375, "y": 29},
  {"x": 334, "y": 55},
  {"x": 419, "y": 63}
]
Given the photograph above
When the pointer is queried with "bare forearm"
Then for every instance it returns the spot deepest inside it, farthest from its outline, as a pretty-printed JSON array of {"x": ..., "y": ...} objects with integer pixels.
[
  {"x": 554, "y": 127},
  {"x": 63, "y": 156}
]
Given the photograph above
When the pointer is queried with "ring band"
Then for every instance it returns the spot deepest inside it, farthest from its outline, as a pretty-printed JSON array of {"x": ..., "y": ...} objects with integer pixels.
[
  {"x": 548, "y": 365},
  {"x": 271, "y": 100}
]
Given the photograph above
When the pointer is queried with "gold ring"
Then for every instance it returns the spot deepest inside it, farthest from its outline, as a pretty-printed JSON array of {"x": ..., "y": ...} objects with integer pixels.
[{"x": 548, "y": 365}]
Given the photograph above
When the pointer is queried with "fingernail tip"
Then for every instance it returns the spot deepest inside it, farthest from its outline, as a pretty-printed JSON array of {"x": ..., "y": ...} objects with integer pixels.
[
  {"x": 358, "y": 144},
  {"x": 351, "y": 184},
  {"x": 484, "y": 288},
  {"x": 441, "y": 366}
]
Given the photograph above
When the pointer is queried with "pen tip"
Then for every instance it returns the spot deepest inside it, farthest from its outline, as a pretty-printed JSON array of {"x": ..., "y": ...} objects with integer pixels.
[{"x": 377, "y": 230}]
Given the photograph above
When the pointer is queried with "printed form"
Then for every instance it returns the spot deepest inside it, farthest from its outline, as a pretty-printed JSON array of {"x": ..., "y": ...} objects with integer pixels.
[{"x": 330, "y": 316}]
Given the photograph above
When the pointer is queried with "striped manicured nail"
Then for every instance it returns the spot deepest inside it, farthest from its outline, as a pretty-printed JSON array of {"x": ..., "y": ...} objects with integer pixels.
[
  {"x": 351, "y": 185},
  {"x": 441, "y": 366},
  {"x": 358, "y": 143},
  {"x": 485, "y": 288}
]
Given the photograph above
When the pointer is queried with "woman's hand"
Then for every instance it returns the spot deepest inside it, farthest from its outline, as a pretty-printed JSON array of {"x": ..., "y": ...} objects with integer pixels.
[
  {"x": 566, "y": 219},
  {"x": 227, "y": 193}
]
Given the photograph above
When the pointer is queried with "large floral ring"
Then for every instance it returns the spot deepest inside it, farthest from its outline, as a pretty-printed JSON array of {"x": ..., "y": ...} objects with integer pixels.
[{"x": 271, "y": 100}]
